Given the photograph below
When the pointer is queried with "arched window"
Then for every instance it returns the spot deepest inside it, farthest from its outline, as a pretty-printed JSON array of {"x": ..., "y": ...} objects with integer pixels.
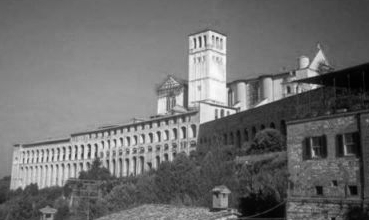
[
  {"x": 158, "y": 135},
  {"x": 205, "y": 40},
  {"x": 89, "y": 151},
  {"x": 221, "y": 44},
  {"x": 128, "y": 141},
  {"x": 82, "y": 151},
  {"x": 246, "y": 134},
  {"x": 134, "y": 140},
  {"x": 238, "y": 138},
  {"x": 213, "y": 40},
  {"x": 253, "y": 132},
  {"x": 222, "y": 113},
  {"x": 193, "y": 131},
  {"x": 200, "y": 42},
  {"x": 151, "y": 138},
  {"x": 121, "y": 142},
  {"x": 166, "y": 135},
  {"x": 231, "y": 138},
  {"x": 194, "y": 43},
  {"x": 96, "y": 150},
  {"x": 175, "y": 134},
  {"x": 183, "y": 133}
]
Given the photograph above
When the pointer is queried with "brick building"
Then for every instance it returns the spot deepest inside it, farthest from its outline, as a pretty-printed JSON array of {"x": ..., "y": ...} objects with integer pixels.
[{"x": 328, "y": 155}]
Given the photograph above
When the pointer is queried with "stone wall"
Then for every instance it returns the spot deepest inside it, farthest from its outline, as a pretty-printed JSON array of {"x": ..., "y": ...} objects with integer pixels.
[{"x": 335, "y": 174}]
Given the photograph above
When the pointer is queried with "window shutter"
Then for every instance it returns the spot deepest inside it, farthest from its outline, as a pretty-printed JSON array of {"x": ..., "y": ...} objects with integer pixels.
[
  {"x": 357, "y": 148},
  {"x": 306, "y": 149},
  {"x": 323, "y": 141},
  {"x": 339, "y": 145}
]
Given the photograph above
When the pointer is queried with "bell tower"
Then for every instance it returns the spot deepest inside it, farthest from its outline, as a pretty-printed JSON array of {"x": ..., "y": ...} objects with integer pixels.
[{"x": 207, "y": 74}]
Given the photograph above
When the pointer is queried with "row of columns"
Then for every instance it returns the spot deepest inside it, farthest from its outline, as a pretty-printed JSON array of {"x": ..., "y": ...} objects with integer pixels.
[{"x": 50, "y": 175}]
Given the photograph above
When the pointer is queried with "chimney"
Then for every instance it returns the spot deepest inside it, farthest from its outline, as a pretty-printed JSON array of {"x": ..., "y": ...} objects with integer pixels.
[{"x": 303, "y": 62}]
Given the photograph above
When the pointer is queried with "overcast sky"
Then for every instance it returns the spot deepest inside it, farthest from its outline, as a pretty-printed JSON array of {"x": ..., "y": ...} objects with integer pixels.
[{"x": 74, "y": 64}]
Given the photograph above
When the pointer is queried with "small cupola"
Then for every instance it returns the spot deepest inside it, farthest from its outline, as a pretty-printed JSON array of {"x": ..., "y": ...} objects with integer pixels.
[{"x": 220, "y": 197}]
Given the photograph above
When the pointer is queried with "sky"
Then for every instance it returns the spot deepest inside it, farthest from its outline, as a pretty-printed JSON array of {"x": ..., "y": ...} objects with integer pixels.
[{"x": 71, "y": 65}]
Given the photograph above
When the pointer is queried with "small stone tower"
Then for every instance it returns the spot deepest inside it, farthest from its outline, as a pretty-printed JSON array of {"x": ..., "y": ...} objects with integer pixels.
[
  {"x": 47, "y": 213},
  {"x": 220, "y": 198},
  {"x": 207, "y": 68}
]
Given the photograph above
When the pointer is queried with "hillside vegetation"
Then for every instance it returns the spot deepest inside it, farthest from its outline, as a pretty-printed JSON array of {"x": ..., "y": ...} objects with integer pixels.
[{"x": 257, "y": 184}]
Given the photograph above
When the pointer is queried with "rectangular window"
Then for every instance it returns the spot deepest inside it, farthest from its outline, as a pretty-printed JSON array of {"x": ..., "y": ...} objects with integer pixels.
[
  {"x": 347, "y": 144},
  {"x": 315, "y": 147},
  {"x": 353, "y": 190},
  {"x": 319, "y": 190}
]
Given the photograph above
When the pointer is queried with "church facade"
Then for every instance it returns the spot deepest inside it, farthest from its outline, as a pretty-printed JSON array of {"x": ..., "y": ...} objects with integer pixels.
[{"x": 182, "y": 105}]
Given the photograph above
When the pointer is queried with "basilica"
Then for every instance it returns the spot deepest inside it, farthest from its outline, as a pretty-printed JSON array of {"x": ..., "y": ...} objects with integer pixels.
[{"x": 182, "y": 106}]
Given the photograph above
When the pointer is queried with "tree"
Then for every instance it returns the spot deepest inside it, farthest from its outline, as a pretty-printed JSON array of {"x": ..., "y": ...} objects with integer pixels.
[
  {"x": 267, "y": 140},
  {"x": 96, "y": 172}
]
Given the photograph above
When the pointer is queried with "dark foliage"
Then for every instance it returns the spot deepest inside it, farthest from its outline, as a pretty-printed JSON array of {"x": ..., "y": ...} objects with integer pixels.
[{"x": 356, "y": 213}]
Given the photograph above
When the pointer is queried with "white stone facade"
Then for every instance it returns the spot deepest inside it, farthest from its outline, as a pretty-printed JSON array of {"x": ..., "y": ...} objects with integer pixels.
[{"x": 125, "y": 150}]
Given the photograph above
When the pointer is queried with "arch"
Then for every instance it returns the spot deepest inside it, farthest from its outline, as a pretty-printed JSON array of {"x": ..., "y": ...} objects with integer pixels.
[
  {"x": 142, "y": 164},
  {"x": 46, "y": 176},
  {"x": 134, "y": 140},
  {"x": 126, "y": 165},
  {"x": 157, "y": 161},
  {"x": 57, "y": 154},
  {"x": 231, "y": 138},
  {"x": 114, "y": 143},
  {"x": 166, "y": 135},
  {"x": 96, "y": 146},
  {"x": 238, "y": 138},
  {"x": 75, "y": 170},
  {"x": 158, "y": 136},
  {"x": 52, "y": 154},
  {"x": 193, "y": 131},
  {"x": 134, "y": 163},
  {"x": 151, "y": 138},
  {"x": 82, "y": 152},
  {"x": 89, "y": 151},
  {"x": 175, "y": 134},
  {"x": 69, "y": 171},
  {"x": 283, "y": 127},
  {"x": 253, "y": 132},
  {"x": 200, "y": 42},
  {"x": 108, "y": 143},
  {"x": 225, "y": 139},
  {"x": 272, "y": 125},
  {"x": 120, "y": 167},
  {"x": 76, "y": 152},
  {"x": 62, "y": 170},
  {"x": 128, "y": 141},
  {"x": 103, "y": 145},
  {"x": 245, "y": 134},
  {"x": 108, "y": 165},
  {"x": 183, "y": 132},
  {"x": 64, "y": 153},
  {"x": 113, "y": 167},
  {"x": 80, "y": 168},
  {"x": 221, "y": 43},
  {"x": 194, "y": 43}
]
